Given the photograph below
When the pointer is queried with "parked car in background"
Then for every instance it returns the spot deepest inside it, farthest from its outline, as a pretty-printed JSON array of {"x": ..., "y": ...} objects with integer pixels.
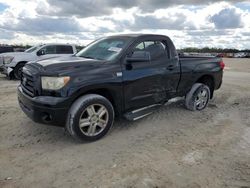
[
  {"x": 12, "y": 63},
  {"x": 4, "y": 49},
  {"x": 240, "y": 55},
  {"x": 20, "y": 49},
  {"x": 124, "y": 75}
]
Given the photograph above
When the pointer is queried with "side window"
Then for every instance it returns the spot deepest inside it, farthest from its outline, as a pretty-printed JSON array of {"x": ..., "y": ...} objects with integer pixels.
[
  {"x": 157, "y": 49},
  {"x": 49, "y": 50},
  {"x": 64, "y": 49}
]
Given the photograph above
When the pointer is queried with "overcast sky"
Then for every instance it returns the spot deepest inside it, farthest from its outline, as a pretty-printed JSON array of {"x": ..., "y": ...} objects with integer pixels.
[{"x": 190, "y": 23}]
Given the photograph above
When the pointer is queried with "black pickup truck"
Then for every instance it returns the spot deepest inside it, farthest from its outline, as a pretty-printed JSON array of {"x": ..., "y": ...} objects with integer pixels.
[{"x": 118, "y": 76}]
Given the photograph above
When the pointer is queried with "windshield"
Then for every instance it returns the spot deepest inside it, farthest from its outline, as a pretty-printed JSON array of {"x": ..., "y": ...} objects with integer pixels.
[
  {"x": 104, "y": 49},
  {"x": 32, "y": 49}
]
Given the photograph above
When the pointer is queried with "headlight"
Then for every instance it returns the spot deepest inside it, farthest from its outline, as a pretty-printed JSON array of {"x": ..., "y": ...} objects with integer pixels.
[
  {"x": 54, "y": 83},
  {"x": 7, "y": 59}
]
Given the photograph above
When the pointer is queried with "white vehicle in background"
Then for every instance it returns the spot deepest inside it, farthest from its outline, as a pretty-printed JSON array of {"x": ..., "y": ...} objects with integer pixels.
[
  {"x": 11, "y": 64},
  {"x": 240, "y": 55}
]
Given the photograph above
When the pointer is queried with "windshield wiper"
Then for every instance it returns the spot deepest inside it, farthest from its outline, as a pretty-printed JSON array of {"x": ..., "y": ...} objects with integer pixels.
[{"x": 88, "y": 57}]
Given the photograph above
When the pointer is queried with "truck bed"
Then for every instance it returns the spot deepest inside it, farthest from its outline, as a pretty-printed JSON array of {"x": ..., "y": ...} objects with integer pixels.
[{"x": 193, "y": 67}]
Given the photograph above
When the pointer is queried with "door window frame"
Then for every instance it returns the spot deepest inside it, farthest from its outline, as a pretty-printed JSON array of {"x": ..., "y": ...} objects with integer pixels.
[{"x": 164, "y": 42}]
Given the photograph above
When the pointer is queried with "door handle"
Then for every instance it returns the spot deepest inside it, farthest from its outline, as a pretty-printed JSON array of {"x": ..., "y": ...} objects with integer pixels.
[{"x": 170, "y": 67}]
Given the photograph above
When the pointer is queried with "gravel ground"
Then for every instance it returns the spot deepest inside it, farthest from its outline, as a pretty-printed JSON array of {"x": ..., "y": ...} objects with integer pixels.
[{"x": 173, "y": 147}]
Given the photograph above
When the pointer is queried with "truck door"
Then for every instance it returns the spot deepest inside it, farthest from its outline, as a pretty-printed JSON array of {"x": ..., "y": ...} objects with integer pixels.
[
  {"x": 172, "y": 74},
  {"x": 144, "y": 80}
]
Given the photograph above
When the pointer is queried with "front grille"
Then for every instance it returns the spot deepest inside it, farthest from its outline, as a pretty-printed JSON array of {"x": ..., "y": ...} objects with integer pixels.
[{"x": 27, "y": 83}]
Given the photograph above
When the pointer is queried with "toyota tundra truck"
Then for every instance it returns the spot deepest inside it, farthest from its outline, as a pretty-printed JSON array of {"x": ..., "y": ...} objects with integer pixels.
[{"x": 118, "y": 76}]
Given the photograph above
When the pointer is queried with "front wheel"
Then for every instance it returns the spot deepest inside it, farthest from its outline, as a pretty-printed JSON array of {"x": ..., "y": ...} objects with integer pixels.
[
  {"x": 18, "y": 70},
  {"x": 90, "y": 117},
  {"x": 198, "y": 97}
]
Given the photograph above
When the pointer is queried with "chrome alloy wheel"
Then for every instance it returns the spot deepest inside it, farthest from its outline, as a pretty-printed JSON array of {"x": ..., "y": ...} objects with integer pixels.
[
  {"x": 93, "y": 120},
  {"x": 201, "y": 99}
]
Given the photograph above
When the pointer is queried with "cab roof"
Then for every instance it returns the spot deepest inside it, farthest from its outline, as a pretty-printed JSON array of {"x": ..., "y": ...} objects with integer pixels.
[{"x": 137, "y": 35}]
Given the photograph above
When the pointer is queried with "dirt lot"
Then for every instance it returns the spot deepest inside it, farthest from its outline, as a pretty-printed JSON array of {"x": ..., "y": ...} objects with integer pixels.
[{"x": 171, "y": 148}]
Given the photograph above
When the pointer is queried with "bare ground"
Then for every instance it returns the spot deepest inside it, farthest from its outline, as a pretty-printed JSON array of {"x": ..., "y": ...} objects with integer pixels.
[{"x": 173, "y": 147}]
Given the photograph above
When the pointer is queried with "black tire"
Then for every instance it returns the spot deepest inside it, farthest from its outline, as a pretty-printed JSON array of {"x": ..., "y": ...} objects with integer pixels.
[
  {"x": 79, "y": 107},
  {"x": 192, "y": 98},
  {"x": 18, "y": 70}
]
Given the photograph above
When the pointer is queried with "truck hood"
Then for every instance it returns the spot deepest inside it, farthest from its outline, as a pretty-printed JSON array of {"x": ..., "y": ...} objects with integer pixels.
[
  {"x": 67, "y": 64},
  {"x": 14, "y": 54}
]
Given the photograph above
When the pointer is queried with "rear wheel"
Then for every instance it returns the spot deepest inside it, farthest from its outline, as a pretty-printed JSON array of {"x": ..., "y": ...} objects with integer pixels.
[
  {"x": 18, "y": 70},
  {"x": 198, "y": 97},
  {"x": 90, "y": 117}
]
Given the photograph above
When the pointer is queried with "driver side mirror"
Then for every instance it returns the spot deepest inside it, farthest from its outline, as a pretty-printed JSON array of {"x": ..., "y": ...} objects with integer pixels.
[
  {"x": 40, "y": 52},
  {"x": 139, "y": 56}
]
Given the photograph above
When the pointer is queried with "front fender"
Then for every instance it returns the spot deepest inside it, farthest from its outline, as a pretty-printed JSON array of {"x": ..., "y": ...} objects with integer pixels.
[
  {"x": 114, "y": 89},
  {"x": 21, "y": 58}
]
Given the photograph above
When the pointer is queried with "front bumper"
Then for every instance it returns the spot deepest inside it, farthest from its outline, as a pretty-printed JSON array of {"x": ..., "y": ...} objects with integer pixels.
[
  {"x": 44, "y": 109},
  {"x": 1, "y": 68},
  {"x": 6, "y": 70}
]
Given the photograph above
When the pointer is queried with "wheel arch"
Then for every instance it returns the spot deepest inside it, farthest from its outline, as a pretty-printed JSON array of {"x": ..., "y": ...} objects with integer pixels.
[
  {"x": 24, "y": 62},
  {"x": 16, "y": 67},
  {"x": 209, "y": 81},
  {"x": 105, "y": 92}
]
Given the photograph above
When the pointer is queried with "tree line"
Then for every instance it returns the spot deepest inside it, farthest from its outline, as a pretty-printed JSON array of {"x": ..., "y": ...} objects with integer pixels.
[
  {"x": 188, "y": 50},
  {"x": 212, "y": 50}
]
